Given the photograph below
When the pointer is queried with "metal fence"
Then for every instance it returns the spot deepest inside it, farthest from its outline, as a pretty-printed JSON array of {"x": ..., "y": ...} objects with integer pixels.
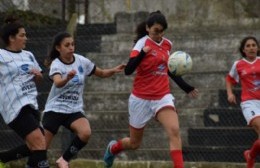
[{"x": 212, "y": 130}]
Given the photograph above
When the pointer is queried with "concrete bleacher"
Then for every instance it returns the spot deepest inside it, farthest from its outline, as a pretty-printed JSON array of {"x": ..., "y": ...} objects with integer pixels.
[{"x": 211, "y": 129}]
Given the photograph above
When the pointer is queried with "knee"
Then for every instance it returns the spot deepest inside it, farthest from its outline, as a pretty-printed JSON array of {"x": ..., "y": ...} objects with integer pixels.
[
  {"x": 174, "y": 132},
  {"x": 36, "y": 141},
  {"x": 85, "y": 135}
]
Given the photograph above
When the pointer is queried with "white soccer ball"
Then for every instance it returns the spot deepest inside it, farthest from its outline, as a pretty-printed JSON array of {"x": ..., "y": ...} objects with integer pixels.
[{"x": 179, "y": 63}]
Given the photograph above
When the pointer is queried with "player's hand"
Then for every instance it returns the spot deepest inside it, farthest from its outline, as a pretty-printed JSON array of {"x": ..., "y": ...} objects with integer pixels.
[
  {"x": 232, "y": 98},
  {"x": 194, "y": 93},
  {"x": 71, "y": 74},
  {"x": 119, "y": 68},
  {"x": 146, "y": 49},
  {"x": 36, "y": 73}
]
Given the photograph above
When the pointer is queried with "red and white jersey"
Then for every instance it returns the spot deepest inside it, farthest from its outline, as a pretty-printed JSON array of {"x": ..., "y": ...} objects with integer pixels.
[
  {"x": 151, "y": 81},
  {"x": 248, "y": 74}
]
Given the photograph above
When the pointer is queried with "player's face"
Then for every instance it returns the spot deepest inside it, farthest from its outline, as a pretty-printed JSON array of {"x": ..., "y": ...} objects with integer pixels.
[
  {"x": 250, "y": 49},
  {"x": 155, "y": 32},
  {"x": 66, "y": 48},
  {"x": 18, "y": 42}
]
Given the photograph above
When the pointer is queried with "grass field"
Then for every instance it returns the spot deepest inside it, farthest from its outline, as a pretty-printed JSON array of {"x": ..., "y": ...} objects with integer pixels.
[{"x": 84, "y": 163}]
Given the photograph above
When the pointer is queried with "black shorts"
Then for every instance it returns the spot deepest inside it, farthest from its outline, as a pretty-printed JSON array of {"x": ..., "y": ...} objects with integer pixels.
[
  {"x": 27, "y": 121},
  {"x": 52, "y": 120}
]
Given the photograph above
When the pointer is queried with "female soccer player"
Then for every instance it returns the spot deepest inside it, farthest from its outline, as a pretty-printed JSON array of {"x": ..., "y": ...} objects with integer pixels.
[
  {"x": 247, "y": 72},
  {"x": 64, "y": 105},
  {"x": 151, "y": 97},
  {"x": 18, "y": 106}
]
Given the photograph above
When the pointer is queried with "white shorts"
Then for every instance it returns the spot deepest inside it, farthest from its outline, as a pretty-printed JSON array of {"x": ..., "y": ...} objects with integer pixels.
[
  {"x": 142, "y": 110},
  {"x": 250, "y": 109}
]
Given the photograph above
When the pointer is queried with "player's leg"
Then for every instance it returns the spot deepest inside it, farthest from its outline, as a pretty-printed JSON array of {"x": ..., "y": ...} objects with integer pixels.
[
  {"x": 51, "y": 122},
  {"x": 27, "y": 126},
  {"x": 169, "y": 119},
  {"x": 36, "y": 142},
  {"x": 139, "y": 115},
  {"x": 128, "y": 143},
  {"x": 131, "y": 143},
  {"x": 251, "y": 154},
  {"x": 251, "y": 113},
  {"x": 78, "y": 124}
]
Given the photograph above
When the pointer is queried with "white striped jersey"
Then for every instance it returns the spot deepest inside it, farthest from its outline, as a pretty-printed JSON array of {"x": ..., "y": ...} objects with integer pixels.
[
  {"x": 69, "y": 98},
  {"x": 17, "y": 85}
]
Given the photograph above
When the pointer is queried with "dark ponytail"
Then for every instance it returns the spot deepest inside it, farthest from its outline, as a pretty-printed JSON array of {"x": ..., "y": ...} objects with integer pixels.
[
  {"x": 54, "y": 53},
  {"x": 154, "y": 17}
]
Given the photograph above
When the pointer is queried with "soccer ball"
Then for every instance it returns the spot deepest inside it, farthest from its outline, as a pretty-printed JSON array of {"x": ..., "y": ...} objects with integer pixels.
[{"x": 179, "y": 63}]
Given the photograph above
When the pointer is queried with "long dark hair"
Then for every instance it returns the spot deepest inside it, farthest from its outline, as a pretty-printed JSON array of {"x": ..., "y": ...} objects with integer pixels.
[
  {"x": 10, "y": 28},
  {"x": 154, "y": 17},
  {"x": 243, "y": 43},
  {"x": 53, "y": 53}
]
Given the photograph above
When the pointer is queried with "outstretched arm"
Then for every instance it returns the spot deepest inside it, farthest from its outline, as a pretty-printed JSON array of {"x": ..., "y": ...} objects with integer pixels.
[
  {"x": 104, "y": 73},
  {"x": 183, "y": 85}
]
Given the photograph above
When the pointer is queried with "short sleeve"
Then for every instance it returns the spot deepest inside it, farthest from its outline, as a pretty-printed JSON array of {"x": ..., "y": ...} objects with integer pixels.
[
  {"x": 233, "y": 74},
  {"x": 55, "y": 68},
  {"x": 88, "y": 65}
]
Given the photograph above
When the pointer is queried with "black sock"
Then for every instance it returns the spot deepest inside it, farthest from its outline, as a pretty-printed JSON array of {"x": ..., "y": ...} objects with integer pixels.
[
  {"x": 73, "y": 149},
  {"x": 15, "y": 153},
  {"x": 38, "y": 159}
]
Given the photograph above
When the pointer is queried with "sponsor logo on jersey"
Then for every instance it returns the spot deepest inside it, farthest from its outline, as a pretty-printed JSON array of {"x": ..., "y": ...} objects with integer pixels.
[
  {"x": 80, "y": 69},
  {"x": 161, "y": 67},
  {"x": 75, "y": 79},
  {"x": 25, "y": 67}
]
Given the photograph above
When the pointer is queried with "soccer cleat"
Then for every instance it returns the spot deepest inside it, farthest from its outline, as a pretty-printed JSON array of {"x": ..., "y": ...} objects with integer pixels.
[
  {"x": 2, "y": 165},
  {"x": 109, "y": 157},
  {"x": 61, "y": 163},
  {"x": 249, "y": 161}
]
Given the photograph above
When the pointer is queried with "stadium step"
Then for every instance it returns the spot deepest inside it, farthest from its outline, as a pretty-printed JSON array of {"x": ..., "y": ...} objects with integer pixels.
[
  {"x": 106, "y": 100},
  {"x": 119, "y": 119},
  {"x": 122, "y": 83},
  {"x": 212, "y": 42},
  {"x": 118, "y": 101},
  {"x": 159, "y": 151},
  {"x": 221, "y": 136},
  {"x": 215, "y": 153},
  {"x": 224, "y": 117},
  {"x": 207, "y": 62},
  {"x": 96, "y": 29},
  {"x": 222, "y": 98}
]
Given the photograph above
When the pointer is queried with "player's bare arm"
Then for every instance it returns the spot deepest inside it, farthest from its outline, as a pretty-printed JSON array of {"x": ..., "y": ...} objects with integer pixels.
[
  {"x": 230, "y": 95},
  {"x": 60, "y": 82},
  {"x": 37, "y": 75},
  {"x": 104, "y": 73}
]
